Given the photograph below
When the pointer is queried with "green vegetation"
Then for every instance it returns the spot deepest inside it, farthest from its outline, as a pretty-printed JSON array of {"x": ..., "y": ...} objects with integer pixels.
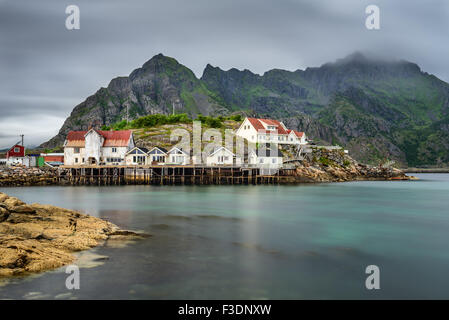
[
  {"x": 210, "y": 121},
  {"x": 154, "y": 120},
  {"x": 149, "y": 121},
  {"x": 324, "y": 161},
  {"x": 54, "y": 150}
]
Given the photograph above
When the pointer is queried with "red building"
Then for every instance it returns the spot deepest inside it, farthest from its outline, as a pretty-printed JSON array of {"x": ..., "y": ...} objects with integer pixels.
[
  {"x": 54, "y": 158},
  {"x": 16, "y": 152}
]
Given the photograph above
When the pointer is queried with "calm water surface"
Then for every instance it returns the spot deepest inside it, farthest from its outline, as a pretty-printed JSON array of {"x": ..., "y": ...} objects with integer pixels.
[{"x": 258, "y": 242}]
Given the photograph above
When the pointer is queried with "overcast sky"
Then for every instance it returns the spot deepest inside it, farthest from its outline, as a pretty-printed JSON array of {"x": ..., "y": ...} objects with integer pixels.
[{"x": 46, "y": 70}]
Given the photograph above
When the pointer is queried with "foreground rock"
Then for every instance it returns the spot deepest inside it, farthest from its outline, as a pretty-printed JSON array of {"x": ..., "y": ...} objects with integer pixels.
[
  {"x": 36, "y": 237},
  {"x": 323, "y": 165}
]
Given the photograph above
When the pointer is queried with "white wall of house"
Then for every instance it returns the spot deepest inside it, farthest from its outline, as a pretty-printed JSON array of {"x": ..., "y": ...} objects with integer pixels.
[
  {"x": 113, "y": 155},
  {"x": 74, "y": 156},
  {"x": 15, "y": 160},
  {"x": 292, "y": 138},
  {"x": 302, "y": 140},
  {"x": 265, "y": 162},
  {"x": 273, "y": 138},
  {"x": 136, "y": 159},
  {"x": 176, "y": 156},
  {"x": 180, "y": 159},
  {"x": 247, "y": 131},
  {"x": 93, "y": 145},
  {"x": 220, "y": 157}
]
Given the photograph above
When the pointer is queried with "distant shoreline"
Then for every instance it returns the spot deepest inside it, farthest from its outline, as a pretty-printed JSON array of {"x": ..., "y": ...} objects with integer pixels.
[{"x": 426, "y": 170}]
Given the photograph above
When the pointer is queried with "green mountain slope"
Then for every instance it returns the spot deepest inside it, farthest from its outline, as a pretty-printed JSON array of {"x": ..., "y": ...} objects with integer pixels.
[{"x": 379, "y": 110}]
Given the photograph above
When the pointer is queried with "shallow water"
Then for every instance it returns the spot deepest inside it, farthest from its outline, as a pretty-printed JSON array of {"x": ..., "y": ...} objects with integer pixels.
[{"x": 258, "y": 242}]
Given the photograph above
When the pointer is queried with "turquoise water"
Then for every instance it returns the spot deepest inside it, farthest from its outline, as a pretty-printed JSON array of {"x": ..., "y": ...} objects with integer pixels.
[{"x": 259, "y": 242}]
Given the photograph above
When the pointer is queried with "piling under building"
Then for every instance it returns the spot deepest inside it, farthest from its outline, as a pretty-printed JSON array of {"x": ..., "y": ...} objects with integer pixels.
[{"x": 173, "y": 175}]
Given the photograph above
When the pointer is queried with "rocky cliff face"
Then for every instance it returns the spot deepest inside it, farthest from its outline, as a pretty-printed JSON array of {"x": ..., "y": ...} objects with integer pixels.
[
  {"x": 158, "y": 86},
  {"x": 379, "y": 110}
]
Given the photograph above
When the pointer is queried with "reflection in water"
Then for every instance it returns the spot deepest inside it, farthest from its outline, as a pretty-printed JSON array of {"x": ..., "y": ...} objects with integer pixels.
[{"x": 257, "y": 242}]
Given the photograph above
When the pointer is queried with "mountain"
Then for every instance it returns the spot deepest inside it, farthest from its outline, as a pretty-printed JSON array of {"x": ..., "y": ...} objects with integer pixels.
[
  {"x": 380, "y": 110},
  {"x": 158, "y": 86}
]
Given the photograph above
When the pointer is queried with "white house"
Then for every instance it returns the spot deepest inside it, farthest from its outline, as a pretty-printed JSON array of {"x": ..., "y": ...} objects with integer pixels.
[
  {"x": 157, "y": 155},
  {"x": 178, "y": 156},
  {"x": 266, "y": 158},
  {"x": 97, "y": 147},
  {"x": 297, "y": 137},
  {"x": 269, "y": 131},
  {"x": 222, "y": 156},
  {"x": 137, "y": 156}
]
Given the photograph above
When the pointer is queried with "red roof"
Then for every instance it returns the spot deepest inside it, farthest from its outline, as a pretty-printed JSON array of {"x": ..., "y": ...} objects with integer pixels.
[
  {"x": 258, "y": 125},
  {"x": 111, "y": 138},
  {"x": 297, "y": 133}
]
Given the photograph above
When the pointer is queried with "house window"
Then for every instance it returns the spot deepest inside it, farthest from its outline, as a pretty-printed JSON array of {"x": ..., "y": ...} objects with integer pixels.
[
  {"x": 138, "y": 159},
  {"x": 274, "y": 160},
  {"x": 83, "y": 160},
  {"x": 260, "y": 160},
  {"x": 76, "y": 150},
  {"x": 114, "y": 150},
  {"x": 16, "y": 150},
  {"x": 76, "y": 160}
]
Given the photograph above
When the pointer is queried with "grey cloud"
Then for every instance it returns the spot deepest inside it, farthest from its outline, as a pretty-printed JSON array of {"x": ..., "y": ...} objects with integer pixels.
[{"x": 47, "y": 70}]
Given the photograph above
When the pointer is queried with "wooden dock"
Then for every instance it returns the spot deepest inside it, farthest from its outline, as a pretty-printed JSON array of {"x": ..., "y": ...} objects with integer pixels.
[{"x": 171, "y": 175}]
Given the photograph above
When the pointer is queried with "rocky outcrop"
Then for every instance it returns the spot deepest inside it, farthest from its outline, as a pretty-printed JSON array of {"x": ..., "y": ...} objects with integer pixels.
[
  {"x": 36, "y": 237},
  {"x": 323, "y": 165},
  {"x": 22, "y": 176}
]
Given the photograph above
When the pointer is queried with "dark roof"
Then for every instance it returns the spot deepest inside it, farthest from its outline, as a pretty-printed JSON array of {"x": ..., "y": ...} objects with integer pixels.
[
  {"x": 144, "y": 149},
  {"x": 160, "y": 148}
]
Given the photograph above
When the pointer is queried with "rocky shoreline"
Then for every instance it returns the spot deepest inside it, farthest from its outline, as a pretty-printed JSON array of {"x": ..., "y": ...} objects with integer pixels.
[
  {"x": 17, "y": 176},
  {"x": 37, "y": 237},
  {"x": 335, "y": 166}
]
